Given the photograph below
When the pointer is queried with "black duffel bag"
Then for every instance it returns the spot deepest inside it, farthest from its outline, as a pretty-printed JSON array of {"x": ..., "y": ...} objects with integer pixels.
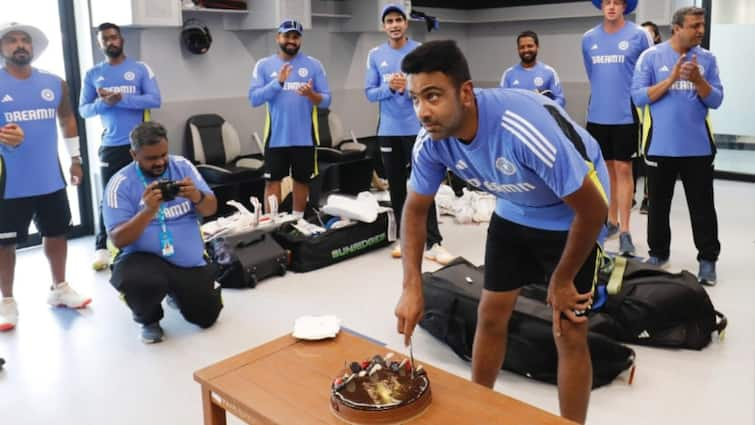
[
  {"x": 334, "y": 245},
  {"x": 452, "y": 295},
  {"x": 658, "y": 308},
  {"x": 247, "y": 258}
]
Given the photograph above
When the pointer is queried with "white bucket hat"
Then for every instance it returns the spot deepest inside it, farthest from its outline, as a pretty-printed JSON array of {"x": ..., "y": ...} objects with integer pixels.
[{"x": 38, "y": 38}]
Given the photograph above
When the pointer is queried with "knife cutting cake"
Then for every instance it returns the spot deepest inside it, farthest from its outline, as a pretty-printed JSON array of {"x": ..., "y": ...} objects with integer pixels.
[{"x": 380, "y": 391}]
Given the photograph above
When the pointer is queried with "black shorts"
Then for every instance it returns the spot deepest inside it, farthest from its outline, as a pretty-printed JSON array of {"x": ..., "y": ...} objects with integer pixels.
[
  {"x": 617, "y": 142},
  {"x": 517, "y": 255},
  {"x": 300, "y": 160},
  {"x": 50, "y": 212}
]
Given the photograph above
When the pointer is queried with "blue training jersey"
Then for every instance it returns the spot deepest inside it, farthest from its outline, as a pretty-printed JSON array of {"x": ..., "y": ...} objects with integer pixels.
[
  {"x": 32, "y": 168},
  {"x": 291, "y": 119},
  {"x": 609, "y": 61},
  {"x": 397, "y": 117},
  {"x": 137, "y": 84},
  {"x": 539, "y": 78},
  {"x": 123, "y": 200},
  {"x": 677, "y": 123},
  {"x": 520, "y": 154}
]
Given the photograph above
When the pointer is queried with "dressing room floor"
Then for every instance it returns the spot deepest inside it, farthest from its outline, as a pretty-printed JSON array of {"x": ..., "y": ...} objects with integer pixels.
[{"x": 89, "y": 367}]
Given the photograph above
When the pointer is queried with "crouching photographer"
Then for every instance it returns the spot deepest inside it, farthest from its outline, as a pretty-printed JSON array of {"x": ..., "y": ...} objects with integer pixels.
[{"x": 152, "y": 211}]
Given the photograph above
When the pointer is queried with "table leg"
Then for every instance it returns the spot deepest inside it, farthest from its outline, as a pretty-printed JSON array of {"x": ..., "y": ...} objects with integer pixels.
[{"x": 213, "y": 414}]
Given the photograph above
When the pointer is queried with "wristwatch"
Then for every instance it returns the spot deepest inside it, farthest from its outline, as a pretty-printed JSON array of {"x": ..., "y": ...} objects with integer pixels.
[{"x": 201, "y": 198}]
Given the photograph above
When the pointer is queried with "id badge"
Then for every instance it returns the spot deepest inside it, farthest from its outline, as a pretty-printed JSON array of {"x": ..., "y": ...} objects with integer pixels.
[{"x": 166, "y": 244}]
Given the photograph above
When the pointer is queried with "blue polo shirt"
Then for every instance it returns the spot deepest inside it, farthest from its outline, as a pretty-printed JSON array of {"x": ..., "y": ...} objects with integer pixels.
[{"x": 123, "y": 200}]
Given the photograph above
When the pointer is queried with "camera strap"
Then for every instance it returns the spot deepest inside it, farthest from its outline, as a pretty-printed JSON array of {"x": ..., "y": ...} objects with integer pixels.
[{"x": 166, "y": 239}]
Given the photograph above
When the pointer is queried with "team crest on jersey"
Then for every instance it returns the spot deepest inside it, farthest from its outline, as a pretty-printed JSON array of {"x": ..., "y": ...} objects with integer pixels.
[
  {"x": 303, "y": 72},
  {"x": 624, "y": 45},
  {"x": 48, "y": 95},
  {"x": 538, "y": 81},
  {"x": 505, "y": 166},
  {"x": 461, "y": 165},
  {"x": 129, "y": 76}
]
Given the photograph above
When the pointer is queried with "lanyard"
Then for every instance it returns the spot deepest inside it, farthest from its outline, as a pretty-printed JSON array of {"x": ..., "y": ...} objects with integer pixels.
[{"x": 166, "y": 239}]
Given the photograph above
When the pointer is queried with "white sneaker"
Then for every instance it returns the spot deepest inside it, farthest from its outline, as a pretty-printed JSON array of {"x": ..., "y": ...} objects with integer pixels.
[
  {"x": 8, "y": 314},
  {"x": 101, "y": 259},
  {"x": 396, "y": 251},
  {"x": 65, "y": 296},
  {"x": 439, "y": 254}
]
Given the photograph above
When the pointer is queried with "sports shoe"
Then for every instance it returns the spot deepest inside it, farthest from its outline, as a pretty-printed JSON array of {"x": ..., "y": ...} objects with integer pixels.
[
  {"x": 101, "y": 259},
  {"x": 396, "y": 251},
  {"x": 8, "y": 314},
  {"x": 152, "y": 333},
  {"x": 658, "y": 262},
  {"x": 171, "y": 301},
  {"x": 611, "y": 230},
  {"x": 626, "y": 247},
  {"x": 65, "y": 296},
  {"x": 707, "y": 273},
  {"x": 439, "y": 254},
  {"x": 644, "y": 206}
]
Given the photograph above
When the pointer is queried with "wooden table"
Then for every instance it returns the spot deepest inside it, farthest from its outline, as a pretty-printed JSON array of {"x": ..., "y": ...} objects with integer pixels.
[{"x": 287, "y": 382}]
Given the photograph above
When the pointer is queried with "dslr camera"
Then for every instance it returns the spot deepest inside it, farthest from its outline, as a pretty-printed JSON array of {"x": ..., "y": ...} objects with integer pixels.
[{"x": 169, "y": 189}]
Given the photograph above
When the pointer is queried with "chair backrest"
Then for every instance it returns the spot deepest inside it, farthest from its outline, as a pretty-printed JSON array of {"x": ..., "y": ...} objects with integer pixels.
[
  {"x": 209, "y": 139},
  {"x": 330, "y": 128}
]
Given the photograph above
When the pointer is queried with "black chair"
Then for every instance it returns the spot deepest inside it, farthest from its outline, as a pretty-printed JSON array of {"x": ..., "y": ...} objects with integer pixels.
[
  {"x": 334, "y": 144},
  {"x": 213, "y": 145}
]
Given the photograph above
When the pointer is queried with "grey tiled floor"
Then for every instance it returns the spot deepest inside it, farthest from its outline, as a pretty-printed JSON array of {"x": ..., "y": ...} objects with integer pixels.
[{"x": 89, "y": 367}]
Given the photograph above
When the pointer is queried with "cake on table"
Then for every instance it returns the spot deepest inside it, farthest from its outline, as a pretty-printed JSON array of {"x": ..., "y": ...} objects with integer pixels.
[{"x": 380, "y": 391}]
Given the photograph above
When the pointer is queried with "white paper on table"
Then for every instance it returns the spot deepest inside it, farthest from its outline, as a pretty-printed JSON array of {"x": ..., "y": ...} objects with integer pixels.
[{"x": 316, "y": 327}]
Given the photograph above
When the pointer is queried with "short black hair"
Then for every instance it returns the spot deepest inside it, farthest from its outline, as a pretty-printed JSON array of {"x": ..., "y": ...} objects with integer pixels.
[
  {"x": 656, "y": 31},
  {"x": 441, "y": 56},
  {"x": 147, "y": 134},
  {"x": 108, "y": 26},
  {"x": 680, "y": 14},
  {"x": 530, "y": 34}
]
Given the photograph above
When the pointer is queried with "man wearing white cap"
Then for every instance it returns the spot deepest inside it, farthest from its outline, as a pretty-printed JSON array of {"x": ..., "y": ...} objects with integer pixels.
[
  {"x": 32, "y": 185},
  {"x": 610, "y": 51}
]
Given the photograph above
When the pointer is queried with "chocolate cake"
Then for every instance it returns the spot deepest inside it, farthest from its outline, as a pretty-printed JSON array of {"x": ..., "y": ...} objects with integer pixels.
[{"x": 380, "y": 391}]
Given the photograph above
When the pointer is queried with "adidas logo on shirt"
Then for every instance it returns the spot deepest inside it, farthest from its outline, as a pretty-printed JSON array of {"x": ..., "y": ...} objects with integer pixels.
[
  {"x": 643, "y": 335},
  {"x": 664, "y": 68},
  {"x": 515, "y": 83},
  {"x": 100, "y": 78},
  {"x": 594, "y": 47},
  {"x": 383, "y": 64},
  {"x": 274, "y": 75},
  {"x": 7, "y": 98}
]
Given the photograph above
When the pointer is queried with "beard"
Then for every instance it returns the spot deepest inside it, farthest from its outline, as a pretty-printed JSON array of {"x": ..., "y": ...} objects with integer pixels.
[
  {"x": 289, "y": 49},
  {"x": 113, "y": 51},
  {"x": 528, "y": 58},
  {"x": 20, "y": 57}
]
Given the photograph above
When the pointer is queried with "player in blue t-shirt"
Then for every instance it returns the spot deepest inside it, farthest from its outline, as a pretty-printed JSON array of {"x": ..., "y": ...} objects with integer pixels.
[
  {"x": 32, "y": 186},
  {"x": 121, "y": 91},
  {"x": 152, "y": 209},
  {"x": 610, "y": 51},
  {"x": 530, "y": 74},
  {"x": 679, "y": 81},
  {"x": 291, "y": 85},
  {"x": 397, "y": 124},
  {"x": 550, "y": 181}
]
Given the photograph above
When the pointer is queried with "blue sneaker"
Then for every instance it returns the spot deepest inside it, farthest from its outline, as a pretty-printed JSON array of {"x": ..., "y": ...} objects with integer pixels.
[
  {"x": 611, "y": 230},
  {"x": 152, "y": 333},
  {"x": 707, "y": 273},
  {"x": 658, "y": 262},
  {"x": 626, "y": 247}
]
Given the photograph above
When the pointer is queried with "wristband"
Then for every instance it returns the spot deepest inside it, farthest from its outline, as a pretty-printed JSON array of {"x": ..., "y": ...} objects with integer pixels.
[
  {"x": 201, "y": 198},
  {"x": 72, "y": 145}
]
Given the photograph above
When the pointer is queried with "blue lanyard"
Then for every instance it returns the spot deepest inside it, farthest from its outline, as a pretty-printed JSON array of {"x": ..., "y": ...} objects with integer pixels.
[{"x": 166, "y": 240}]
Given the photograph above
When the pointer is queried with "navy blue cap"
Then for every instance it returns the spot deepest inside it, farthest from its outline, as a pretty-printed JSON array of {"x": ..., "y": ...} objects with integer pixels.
[
  {"x": 631, "y": 5},
  {"x": 392, "y": 7},
  {"x": 290, "y": 25}
]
